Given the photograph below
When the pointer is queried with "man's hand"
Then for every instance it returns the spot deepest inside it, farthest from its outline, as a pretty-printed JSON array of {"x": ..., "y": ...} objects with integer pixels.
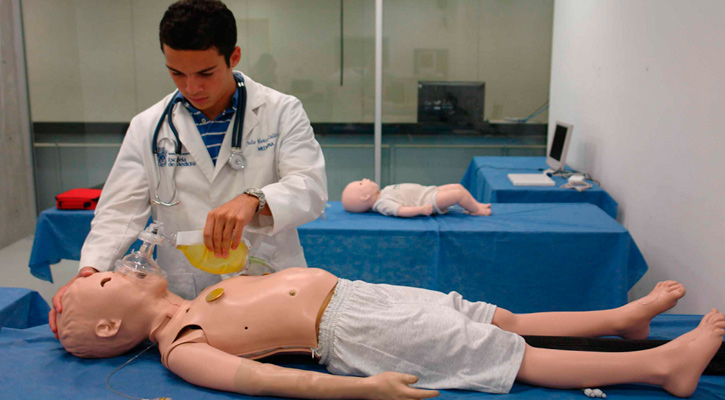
[
  {"x": 225, "y": 224},
  {"x": 396, "y": 386},
  {"x": 58, "y": 299}
]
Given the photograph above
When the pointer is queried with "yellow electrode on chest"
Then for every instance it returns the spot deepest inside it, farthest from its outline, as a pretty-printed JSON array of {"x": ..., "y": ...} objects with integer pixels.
[{"x": 191, "y": 243}]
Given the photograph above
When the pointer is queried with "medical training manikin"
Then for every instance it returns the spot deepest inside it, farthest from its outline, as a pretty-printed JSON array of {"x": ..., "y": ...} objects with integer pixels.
[
  {"x": 409, "y": 199},
  {"x": 403, "y": 340}
]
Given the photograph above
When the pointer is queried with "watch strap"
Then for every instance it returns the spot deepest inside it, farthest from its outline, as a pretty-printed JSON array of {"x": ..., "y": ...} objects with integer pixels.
[{"x": 259, "y": 195}]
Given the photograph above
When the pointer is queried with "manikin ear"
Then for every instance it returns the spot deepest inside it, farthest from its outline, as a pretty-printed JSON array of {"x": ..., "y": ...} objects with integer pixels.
[
  {"x": 365, "y": 198},
  {"x": 108, "y": 328}
]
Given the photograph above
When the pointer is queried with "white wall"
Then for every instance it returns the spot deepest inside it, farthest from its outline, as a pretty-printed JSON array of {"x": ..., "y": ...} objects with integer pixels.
[
  {"x": 643, "y": 81},
  {"x": 17, "y": 198}
]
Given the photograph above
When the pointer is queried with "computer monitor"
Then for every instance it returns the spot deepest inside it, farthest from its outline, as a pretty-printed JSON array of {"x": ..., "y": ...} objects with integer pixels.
[
  {"x": 452, "y": 104},
  {"x": 559, "y": 146}
]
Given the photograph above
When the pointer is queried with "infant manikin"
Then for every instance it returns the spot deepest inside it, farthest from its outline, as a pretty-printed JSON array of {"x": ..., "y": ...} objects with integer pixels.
[{"x": 409, "y": 199}]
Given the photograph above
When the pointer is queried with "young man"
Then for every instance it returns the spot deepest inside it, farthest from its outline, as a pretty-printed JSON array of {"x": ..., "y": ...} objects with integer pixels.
[
  {"x": 394, "y": 337},
  {"x": 273, "y": 184}
]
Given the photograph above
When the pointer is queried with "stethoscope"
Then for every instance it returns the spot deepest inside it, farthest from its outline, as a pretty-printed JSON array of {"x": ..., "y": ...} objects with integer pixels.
[{"x": 236, "y": 160}]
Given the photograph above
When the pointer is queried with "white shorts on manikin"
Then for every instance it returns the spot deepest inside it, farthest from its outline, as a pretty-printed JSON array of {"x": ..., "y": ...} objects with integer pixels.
[{"x": 444, "y": 340}]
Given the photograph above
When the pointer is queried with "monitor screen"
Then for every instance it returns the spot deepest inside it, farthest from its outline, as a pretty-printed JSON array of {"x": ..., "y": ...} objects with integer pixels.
[
  {"x": 559, "y": 146},
  {"x": 454, "y": 104}
]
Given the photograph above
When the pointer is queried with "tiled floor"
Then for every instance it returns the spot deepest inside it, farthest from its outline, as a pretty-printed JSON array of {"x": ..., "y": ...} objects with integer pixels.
[{"x": 14, "y": 270}]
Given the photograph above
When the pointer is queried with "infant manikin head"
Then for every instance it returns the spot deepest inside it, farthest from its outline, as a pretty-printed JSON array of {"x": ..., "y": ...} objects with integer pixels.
[
  {"x": 359, "y": 196},
  {"x": 107, "y": 313}
]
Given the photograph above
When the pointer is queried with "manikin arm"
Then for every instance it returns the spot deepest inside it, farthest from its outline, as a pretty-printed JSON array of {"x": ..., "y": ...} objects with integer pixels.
[
  {"x": 412, "y": 211},
  {"x": 203, "y": 365}
]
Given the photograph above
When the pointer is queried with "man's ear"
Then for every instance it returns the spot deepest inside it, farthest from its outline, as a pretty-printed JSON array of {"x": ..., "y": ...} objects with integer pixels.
[
  {"x": 365, "y": 198},
  {"x": 235, "y": 57},
  {"x": 108, "y": 328}
]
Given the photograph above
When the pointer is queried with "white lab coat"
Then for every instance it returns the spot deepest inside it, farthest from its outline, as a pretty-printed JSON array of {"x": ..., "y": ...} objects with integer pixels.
[{"x": 282, "y": 158}]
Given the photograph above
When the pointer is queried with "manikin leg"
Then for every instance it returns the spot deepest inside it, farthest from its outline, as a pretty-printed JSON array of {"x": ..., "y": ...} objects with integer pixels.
[
  {"x": 630, "y": 321},
  {"x": 675, "y": 366},
  {"x": 455, "y": 193}
]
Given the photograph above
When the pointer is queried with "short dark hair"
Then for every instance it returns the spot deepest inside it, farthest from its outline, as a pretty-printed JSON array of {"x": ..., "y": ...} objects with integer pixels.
[{"x": 199, "y": 25}]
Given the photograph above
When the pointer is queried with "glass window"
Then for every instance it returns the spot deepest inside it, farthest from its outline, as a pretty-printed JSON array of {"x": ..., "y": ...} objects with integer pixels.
[
  {"x": 94, "y": 64},
  {"x": 459, "y": 78}
]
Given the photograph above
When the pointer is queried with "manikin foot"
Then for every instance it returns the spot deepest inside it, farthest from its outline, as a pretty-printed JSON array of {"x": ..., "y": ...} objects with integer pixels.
[
  {"x": 639, "y": 313},
  {"x": 483, "y": 210},
  {"x": 687, "y": 356}
]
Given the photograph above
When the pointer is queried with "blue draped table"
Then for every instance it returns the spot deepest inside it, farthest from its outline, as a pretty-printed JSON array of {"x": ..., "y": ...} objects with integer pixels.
[
  {"x": 525, "y": 257},
  {"x": 487, "y": 180},
  {"x": 59, "y": 235},
  {"x": 35, "y": 366},
  {"x": 22, "y": 308}
]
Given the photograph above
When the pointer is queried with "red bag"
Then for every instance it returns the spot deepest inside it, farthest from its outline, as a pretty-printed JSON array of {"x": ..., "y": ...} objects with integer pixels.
[{"x": 78, "y": 199}]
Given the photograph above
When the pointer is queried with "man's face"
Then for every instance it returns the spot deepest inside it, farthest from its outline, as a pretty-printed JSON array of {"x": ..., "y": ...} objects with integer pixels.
[{"x": 203, "y": 77}]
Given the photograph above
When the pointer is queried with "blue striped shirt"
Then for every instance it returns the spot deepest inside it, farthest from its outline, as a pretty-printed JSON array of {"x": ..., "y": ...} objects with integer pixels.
[{"x": 212, "y": 132}]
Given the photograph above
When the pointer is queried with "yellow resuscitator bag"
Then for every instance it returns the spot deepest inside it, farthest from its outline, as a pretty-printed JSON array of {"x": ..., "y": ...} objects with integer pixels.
[{"x": 191, "y": 243}]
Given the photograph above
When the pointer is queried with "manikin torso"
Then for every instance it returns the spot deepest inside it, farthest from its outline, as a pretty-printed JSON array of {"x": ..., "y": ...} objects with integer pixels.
[{"x": 253, "y": 316}]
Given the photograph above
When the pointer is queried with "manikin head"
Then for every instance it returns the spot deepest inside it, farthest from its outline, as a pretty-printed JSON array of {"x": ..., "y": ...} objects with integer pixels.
[
  {"x": 359, "y": 196},
  {"x": 108, "y": 313}
]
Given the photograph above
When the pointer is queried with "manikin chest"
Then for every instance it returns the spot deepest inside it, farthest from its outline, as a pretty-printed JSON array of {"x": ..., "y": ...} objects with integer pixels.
[{"x": 257, "y": 316}]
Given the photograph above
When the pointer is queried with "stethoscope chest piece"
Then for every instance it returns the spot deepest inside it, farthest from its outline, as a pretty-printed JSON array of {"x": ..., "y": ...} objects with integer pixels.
[{"x": 237, "y": 160}]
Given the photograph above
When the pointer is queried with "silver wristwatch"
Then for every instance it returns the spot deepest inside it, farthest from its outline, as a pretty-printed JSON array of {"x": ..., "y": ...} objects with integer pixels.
[{"x": 259, "y": 195}]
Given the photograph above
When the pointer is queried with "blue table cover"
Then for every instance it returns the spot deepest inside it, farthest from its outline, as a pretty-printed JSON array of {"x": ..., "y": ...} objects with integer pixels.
[
  {"x": 22, "y": 308},
  {"x": 487, "y": 180},
  {"x": 525, "y": 257},
  {"x": 540, "y": 257},
  {"x": 35, "y": 366},
  {"x": 59, "y": 235},
  {"x": 373, "y": 247}
]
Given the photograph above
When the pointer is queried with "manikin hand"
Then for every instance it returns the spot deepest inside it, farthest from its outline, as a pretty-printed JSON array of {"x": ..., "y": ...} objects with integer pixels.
[
  {"x": 412, "y": 211},
  {"x": 426, "y": 209},
  {"x": 57, "y": 299},
  {"x": 224, "y": 224},
  {"x": 396, "y": 386}
]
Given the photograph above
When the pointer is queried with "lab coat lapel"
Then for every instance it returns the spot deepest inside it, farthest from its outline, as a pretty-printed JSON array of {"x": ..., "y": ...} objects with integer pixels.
[
  {"x": 191, "y": 140},
  {"x": 254, "y": 100},
  {"x": 225, "y": 151}
]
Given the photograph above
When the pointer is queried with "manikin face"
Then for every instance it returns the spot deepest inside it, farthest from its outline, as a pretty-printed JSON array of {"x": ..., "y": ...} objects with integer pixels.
[
  {"x": 203, "y": 77},
  {"x": 113, "y": 289},
  {"x": 108, "y": 313},
  {"x": 367, "y": 187},
  {"x": 359, "y": 196}
]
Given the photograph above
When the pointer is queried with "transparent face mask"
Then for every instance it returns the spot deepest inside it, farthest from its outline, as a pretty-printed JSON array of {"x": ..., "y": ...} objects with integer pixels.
[{"x": 140, "y": 264}]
